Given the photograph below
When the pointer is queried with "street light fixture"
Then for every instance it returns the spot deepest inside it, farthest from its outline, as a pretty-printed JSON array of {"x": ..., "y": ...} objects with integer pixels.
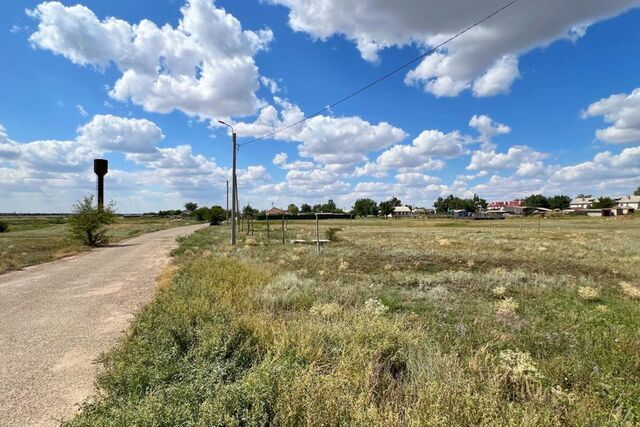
[{"x": 234, "y": 183}]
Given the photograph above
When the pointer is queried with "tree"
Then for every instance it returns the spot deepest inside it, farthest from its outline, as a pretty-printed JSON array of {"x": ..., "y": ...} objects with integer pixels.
[
  {"x": 637, "y": 192},
  {"x": 603, "y": 203},
  {"x": 451, "y": 202},
  {"x": 317, "y": 208},
  {"x": 583, "y": 196},
  {"x": 536, "y": 201},
  {"x": 88, "y": 222},
  {"x": 387, "y": 207},
  {"x": 365, "y": 207},
  {"x": 248, "y": 211},
  {"x": 305, "y": 208},
  {"x": 293, "y": 209},
  {"x": 329, "y": 207},
  {"x": 218, "y": 214},
  {"x": 190, "y": 206},
  {"x": 559, "y": 202}
]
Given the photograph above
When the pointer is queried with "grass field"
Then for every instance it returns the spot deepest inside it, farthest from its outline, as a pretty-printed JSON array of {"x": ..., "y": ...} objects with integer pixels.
[
  {"x": 397, "y": 323},
  {"x": 34, "y": 240}
]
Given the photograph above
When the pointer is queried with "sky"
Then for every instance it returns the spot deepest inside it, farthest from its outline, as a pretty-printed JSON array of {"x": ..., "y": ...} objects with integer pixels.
[{"x": 543, "y": 98}]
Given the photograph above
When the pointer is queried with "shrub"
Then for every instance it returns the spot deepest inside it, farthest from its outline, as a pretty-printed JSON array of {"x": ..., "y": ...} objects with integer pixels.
[
  {"x": 288, "y": 291},
  {"x": 520, "y": 376},
  {"x": 4, "y": 227},
  {"x": 588, "y": 293},
  {"x": 88, "y": 222},
  {"x": 332, "y": 234}
]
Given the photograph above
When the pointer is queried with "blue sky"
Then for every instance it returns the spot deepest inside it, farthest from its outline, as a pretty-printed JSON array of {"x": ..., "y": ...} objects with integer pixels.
[{"x": 516, "y": 106}]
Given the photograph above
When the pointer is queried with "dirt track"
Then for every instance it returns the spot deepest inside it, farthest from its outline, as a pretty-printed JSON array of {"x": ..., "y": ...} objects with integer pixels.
[{"x": 56, "y": 319}]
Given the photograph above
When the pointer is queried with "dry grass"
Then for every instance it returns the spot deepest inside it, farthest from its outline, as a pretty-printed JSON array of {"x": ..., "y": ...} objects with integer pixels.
[
  {"x": 34, "y": 240},
  {"x": 389, "y": 326}
]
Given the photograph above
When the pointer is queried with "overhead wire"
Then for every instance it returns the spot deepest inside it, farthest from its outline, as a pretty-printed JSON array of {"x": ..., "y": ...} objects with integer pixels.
[{"x": 384, "y": 77}]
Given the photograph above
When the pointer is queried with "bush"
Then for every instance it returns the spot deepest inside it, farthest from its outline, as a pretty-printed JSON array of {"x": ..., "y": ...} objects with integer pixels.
[
  {"x": 332, "y": 234},
  {"x": 88, "y": 222},
  {"x": 218, "y": 214},
  {"x": 4, "y": 227}
]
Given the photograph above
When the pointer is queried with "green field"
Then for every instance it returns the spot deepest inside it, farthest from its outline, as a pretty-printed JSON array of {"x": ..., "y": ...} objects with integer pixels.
[
  {"x": 403, "y": 322},
  {"x": 34, "y": 240}
]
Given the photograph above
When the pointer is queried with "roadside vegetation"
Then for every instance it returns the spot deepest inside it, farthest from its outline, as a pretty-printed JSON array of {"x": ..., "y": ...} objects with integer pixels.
[
  {"x": 37, "y": 239},
  {"x": 405, "y": 322}
]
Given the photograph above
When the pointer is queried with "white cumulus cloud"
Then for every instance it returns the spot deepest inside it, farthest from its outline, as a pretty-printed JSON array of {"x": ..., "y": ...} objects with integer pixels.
[
  {"x": 623, "y": 112},
  {"x": 204, "y": 67},
  {"x": 484, "y": 60}
]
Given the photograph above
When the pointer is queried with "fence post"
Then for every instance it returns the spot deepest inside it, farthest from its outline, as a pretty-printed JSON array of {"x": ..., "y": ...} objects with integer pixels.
[
  {"x": 283, "y": 228},
  {"x": 317, "y": 234},
  {"x": 268, "y": 232}
]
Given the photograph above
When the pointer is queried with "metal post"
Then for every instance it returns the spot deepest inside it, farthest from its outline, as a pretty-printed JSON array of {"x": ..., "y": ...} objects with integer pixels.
[
  {"x": 227, "y": 211},
  {"x": 268, "y": 231},
  {"x": 317, "y": 234},
  {"x": 234, "y": 202},
  {"x": 283, "y": 228}
]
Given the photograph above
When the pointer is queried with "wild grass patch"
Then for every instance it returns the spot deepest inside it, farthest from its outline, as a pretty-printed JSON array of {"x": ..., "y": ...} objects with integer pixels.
[{"x": 387, "y": 327}]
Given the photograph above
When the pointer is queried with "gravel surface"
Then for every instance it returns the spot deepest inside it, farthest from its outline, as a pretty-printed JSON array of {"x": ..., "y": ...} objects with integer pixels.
[{"x": 57, "y": 318}]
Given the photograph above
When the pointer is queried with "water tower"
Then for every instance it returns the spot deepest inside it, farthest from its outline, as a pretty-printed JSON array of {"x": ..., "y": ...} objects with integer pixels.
[{"x": 101, "y": 168}]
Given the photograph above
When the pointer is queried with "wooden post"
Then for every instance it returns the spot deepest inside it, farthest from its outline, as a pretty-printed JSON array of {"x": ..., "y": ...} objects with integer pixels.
[
  {"x": 317, "y": 234},
  {"x": 283, "y": 228}
]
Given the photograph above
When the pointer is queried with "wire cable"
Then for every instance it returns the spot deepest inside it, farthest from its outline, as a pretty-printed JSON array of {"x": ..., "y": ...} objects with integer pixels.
[{"x": 384, "y": 77}]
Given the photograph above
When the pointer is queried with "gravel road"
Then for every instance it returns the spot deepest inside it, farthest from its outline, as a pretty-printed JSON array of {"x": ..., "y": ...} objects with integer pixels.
[{"x": 56, "y": 319}]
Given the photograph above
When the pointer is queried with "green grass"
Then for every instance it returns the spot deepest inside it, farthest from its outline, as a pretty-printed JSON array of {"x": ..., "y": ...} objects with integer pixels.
[
  {"x": 398, "y": 323},
  {"x": 34, "y": 240}
]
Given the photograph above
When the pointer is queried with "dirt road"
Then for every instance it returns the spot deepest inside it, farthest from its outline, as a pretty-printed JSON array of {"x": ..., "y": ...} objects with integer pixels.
[{"x": 56, "y": 318}]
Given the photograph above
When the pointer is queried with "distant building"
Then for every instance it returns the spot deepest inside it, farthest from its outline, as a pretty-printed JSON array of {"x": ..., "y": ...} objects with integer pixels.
[
  {"x": 419, "y": 212},
  {"x": 581, "y": 202},
  {"x": 401, "y": 211},
  {"x": 276, "y": 212},
  {"x": 504, "y": 204},
  {"x": 630, "y": 202},
  {"x": 460, "y": 213}
]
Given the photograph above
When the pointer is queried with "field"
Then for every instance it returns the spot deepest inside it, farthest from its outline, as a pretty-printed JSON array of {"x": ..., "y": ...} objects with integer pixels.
[
  {"x": 405, "y": 322},
  {"x": 34, "y": 240}
]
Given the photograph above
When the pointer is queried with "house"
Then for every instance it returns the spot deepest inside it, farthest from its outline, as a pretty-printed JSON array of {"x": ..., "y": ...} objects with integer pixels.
[
  {"x": 581, "y": 202},
  {"x": 504, "y": 204},
  {"x": 630, "y": 202},
  {"x": 401, "y": 211},
  {"x": 460, "y": 213},
  {"x": 276, "y": 212},
  {"x": 419, "y": 212},
  {"x": 622, "y": 210}
]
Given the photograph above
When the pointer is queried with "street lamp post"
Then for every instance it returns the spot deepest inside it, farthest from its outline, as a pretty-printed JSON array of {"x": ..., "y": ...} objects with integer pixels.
[{"x": 234, "y": 184}]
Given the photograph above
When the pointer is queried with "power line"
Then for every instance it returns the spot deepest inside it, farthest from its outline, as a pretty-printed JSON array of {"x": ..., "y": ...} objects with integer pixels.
[{"x": 389, "y": 74}]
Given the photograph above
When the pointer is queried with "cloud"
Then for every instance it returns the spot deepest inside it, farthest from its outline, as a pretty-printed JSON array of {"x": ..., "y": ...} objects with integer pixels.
[
  {"x": 204, "y": 67},
  {"x": 281, "y": 160},
  {"x": 423, "y": 149},
  {"x": 111, "y": 133},
  {"x": 519, "y": 157},
  {"x": 82, "y": 111},
  {"x": 336, "y": 142},
  {"x": 604, "y": 166},
  {"x": 487, "y": 127},
  {"x": 51, "y": 175},
  {"x": 484, "y": 60},
  {"x": 623, "y": 112}
]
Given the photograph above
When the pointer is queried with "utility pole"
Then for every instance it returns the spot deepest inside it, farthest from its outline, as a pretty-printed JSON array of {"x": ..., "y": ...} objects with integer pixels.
[{"x": 234, "y": 183}]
